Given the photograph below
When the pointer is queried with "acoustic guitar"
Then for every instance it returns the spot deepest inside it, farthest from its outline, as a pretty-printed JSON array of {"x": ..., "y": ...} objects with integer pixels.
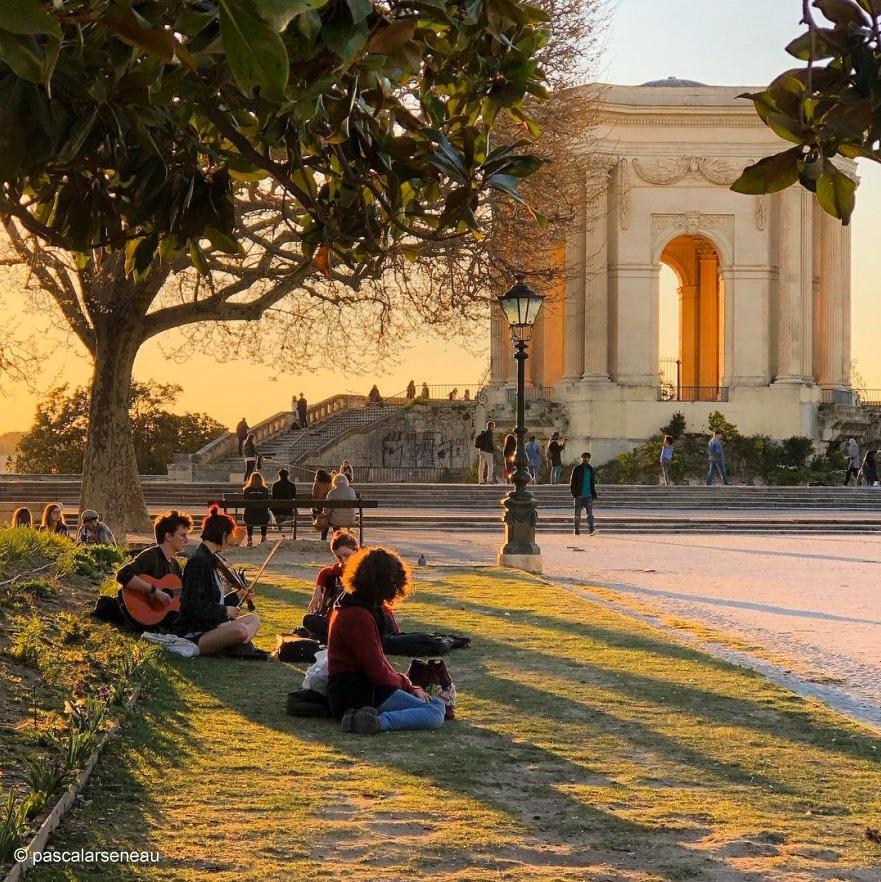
[{"x": 146, "y": 610}]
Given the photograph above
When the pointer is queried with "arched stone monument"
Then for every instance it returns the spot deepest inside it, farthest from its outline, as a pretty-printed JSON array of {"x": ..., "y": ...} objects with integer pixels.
[{"x": 763, "y": 281}]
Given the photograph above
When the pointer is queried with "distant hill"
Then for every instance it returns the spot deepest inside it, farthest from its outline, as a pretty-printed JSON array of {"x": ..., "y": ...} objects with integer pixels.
[{"x": 8, "y": 440}]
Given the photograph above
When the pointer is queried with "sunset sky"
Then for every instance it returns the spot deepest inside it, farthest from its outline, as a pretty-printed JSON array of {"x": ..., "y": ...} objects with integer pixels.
[{"x": 726, "y": 42}]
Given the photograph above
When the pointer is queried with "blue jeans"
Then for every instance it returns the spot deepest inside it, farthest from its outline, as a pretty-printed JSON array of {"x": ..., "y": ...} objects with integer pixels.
[
  {"x": 404, "y": 711},
  {"x": 720, "y": 468},
  {"x": 583, "y": 502},
  {"x": 535, "y": 470},
  {"x": 555, "y": 474}
]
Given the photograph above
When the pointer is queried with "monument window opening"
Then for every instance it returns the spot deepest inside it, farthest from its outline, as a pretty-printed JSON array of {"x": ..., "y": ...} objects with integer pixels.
[{"x": 690, "y": 321}]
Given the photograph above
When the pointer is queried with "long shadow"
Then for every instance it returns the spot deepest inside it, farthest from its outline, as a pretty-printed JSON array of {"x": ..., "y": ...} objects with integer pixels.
[
  {"x": 716, "y": 601},
  {"x": 539, "y": 806},
  {"x": 740, "y": 713}
]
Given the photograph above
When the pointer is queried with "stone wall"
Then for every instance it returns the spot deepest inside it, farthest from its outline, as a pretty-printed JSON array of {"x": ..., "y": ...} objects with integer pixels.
[{"x": 421, "y": 437}]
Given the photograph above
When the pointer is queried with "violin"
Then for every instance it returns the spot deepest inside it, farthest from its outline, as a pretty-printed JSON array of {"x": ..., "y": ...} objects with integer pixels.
[{"x": 237, "y": 580}]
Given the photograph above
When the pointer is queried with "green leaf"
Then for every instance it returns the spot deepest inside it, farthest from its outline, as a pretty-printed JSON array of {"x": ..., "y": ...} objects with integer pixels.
[
  {"x": 359, "y": 9},
  {"x": 223, "y": 241},
  {"x": 155, "y": 41},
  {"x": 786, "y": 127},
  {"x": 255, "y": 52},
  {"x": 80, "y": 130},
  {"x": 800, "y": 47},
  {"x": 22, "y": 54},
  {"x": 280, "y": 13},
  {"x": 771, "y": 174},
  {"x": 836, "y": 193},
  {"x": 197, "y": 256},
  {"x": 841, "y": 12},
  {"x": 390, "y": 38},
  {"x": 344, "y": 39},
  {"x": 28, "y": 17}
]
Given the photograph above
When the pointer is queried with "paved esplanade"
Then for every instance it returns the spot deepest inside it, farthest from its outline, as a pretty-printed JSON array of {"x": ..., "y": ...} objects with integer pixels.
[{"x": 813, "y": 600}]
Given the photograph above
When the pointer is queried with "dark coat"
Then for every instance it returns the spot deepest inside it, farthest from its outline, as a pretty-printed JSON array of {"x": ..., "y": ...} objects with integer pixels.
[
  {"x": 256, "y": 515},
  {"x": 249, "y": 451},
  {"x": 201, "y": 608},
  {"x": 577, "y": 480},
  {"x": 283, "y": 489}
]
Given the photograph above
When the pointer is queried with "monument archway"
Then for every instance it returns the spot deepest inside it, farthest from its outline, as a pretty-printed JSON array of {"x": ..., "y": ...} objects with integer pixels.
[{"x": 697, "y": 374}]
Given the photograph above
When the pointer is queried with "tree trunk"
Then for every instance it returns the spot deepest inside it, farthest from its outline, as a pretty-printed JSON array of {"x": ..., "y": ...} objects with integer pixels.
[{"x": 111, "y": 484}]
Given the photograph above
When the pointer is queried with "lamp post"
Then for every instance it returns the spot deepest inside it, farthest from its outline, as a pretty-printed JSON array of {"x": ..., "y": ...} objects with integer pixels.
[{"x": 520, "y": 305}]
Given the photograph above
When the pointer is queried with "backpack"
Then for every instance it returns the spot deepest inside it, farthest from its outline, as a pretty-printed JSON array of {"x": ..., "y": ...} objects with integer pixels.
[
  {"x": 291, "y": 648},
  {"x": 479, "y": 441}
]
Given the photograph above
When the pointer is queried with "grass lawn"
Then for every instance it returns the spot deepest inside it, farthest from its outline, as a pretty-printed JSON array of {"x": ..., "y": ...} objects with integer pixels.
[{"x": 587, "y": 747}]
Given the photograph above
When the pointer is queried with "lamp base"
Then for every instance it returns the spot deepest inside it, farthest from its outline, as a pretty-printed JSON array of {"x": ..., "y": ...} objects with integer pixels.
[{"x": 529, "y": 563}]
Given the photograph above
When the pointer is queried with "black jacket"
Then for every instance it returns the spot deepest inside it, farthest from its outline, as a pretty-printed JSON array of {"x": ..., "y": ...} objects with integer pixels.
[
  {"x": 256, "y": 515},
  {"x": 283, "y": 488},
  {"x": 577, "y": 480},
  {"x": 484, "y": 441},
  {"x": 202, "y": 606}
]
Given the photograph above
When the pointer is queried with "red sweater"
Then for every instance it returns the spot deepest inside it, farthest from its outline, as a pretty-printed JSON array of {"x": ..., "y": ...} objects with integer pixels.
[{"x": 353, "y": 645}]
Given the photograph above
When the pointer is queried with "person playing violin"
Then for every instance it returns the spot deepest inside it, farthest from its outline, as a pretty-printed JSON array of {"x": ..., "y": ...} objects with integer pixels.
[
  {"x": 207, "y": 617},
  {"x": 172, "y": 532}
]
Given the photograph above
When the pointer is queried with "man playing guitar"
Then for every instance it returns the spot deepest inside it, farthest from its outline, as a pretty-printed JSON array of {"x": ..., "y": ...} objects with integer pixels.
[{"x": 172, "y": 531}]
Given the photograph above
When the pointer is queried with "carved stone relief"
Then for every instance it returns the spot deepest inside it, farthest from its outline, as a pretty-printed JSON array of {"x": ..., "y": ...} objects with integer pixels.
[
  {"x": 671, "y": 171},
  {"x": 693, "y": 223},
  {"x": 623, "y": 195},
  {"x": 761, "y": 212}
]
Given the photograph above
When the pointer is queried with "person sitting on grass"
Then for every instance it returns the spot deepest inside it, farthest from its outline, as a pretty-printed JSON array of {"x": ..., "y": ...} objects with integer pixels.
[
  {"x": 92, "y": 531},
  {"x": 329, "y": 585},
  {"x": 53, "y": 520},
  {"x": 21, "y": 517},
  {"x": 208, "y": 618},
  {"x": 363, "y": 689}
]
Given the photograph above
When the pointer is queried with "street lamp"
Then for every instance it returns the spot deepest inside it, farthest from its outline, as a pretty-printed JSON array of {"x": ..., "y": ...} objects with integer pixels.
[{"x": 521, "y": 305}]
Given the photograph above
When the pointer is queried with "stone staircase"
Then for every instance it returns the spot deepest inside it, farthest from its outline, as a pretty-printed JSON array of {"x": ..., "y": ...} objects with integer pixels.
[{"x": 464, "y": 507}]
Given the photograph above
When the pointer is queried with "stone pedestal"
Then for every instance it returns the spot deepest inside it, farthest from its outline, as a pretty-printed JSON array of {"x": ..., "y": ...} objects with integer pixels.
[{"x": 520, "y": 551}]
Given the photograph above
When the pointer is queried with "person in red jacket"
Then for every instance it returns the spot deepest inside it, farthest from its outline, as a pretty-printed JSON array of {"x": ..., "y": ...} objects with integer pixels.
[{"x": 363, "y": 689}]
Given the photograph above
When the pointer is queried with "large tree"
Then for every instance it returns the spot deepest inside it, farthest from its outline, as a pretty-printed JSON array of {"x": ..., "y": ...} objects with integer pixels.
[
  {"x": 279, "y": 148},
  {"x": 830, "y": 106}
]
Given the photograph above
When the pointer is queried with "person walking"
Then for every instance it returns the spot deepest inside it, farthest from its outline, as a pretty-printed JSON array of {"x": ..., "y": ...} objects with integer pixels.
[
  {"x": 249, "y": 452},
  {"x": 486, "y": 452},
  {"x": 509, "y": 454},
  {"x": 869, "y": 471},
  {"x": 411, "y": 390},
  {"x": 583, "y": 487},
  {"x": 256, "y": 515},
  {"x": 556, "y": 446},
  {"x": 242, "y": 433},
  {"x": 716, "y": 454},
  {"x": 302, "y": 412},
  {"x": 853, "y": 462},
  {"x": 666, "y": 459},
  {"x": 533, "y": 454}
]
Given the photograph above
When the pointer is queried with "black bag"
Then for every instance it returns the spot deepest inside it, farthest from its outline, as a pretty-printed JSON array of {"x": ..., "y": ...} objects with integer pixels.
[
  {"x": 291, "y": 648},
  {"x": 308, "y": 703},
  {"x": 423, "y": 644}
]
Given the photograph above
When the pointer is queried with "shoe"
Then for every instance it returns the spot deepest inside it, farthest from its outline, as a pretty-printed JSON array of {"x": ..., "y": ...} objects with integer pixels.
[
  {"x": 577, "y": 532},
  {"x": 247, "y": 651},
  {"x": 365, "y": 721},
  {"x": 346, "y": 722},
  {"x": 591, "y": 532},
  {"x": 249, "y": 544}
]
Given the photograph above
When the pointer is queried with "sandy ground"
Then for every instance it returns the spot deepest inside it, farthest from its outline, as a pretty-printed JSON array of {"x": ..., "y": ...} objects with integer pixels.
[{"x": 812, "y": 603}]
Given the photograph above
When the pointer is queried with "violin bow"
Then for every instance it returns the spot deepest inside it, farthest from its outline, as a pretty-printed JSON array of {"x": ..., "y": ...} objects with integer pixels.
[{"x": 265, "y": 564}]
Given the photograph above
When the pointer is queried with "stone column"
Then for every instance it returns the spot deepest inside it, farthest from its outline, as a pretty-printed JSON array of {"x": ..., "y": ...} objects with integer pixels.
[
  {"x": 747, "y": 290},
  {"x": 498, "y": 350},
  {"x": 596, "y": 323},
  {"x": 637, "y": 325},
  {"x": 806, "y": 289},
  {"x": 708, "y": 316},
  {"x": 832, "y": 323},
  {"x": 788, "y": 308},
  {"x": 573, "y": 314},
  {"x": 689, "y": 334}
]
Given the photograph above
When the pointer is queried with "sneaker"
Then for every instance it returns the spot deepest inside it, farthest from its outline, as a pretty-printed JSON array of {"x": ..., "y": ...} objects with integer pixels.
[
  {"x": 577, "y": 532},
  {"x": 365, "y": 721},
  {"x": 591, "y": 532}
]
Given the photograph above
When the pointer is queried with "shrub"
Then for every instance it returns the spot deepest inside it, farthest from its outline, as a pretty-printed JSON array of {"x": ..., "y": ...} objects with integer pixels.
[
  {"x": 28, "y": 641},
  {"x": 13, "y": 827},
  {"x": 717, "y": 423},
  {"x": 676, "y": 427}
]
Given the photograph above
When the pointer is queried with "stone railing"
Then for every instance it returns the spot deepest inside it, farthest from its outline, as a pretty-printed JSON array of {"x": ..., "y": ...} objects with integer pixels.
[
  {"x": 333, "y": 405},
  {"x": 228, "y": 444}
]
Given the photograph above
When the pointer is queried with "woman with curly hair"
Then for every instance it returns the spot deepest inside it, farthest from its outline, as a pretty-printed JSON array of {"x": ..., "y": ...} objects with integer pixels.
[{"x": 363, "y": 689}]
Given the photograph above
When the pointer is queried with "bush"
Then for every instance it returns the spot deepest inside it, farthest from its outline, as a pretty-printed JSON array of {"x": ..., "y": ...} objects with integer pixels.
[{"x": 676, "y": 427}]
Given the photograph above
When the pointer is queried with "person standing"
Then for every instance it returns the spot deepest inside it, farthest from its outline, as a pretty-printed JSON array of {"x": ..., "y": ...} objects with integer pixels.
[
  {"x": 556, "y": 446},
  {"x": 302, "y": 412},
  {"x": 533, "y": 454},
  {"x": 509, "y": 454},
  {"x": 583, "y": 487},
  {"x": 486, "y": 452},
  {"x": 373, "y": 396},
  {"x": 853, "y": 462},
  {"x": 424, "y": 391},
  {"x": 256, "y": 515},
  {"x": 666, "y": 459},
  {"x": 242, "y": 433},
  {"x": 249, "y": 452},
  {"x": 716, "y": 454}
]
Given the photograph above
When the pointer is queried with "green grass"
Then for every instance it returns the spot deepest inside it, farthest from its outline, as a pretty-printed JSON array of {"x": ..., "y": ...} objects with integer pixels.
[{"x": 588, "y": 747}]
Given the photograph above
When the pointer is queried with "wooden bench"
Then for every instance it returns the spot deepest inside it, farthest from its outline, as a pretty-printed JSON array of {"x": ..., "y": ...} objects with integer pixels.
[{"x": 238, "y": 503}]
